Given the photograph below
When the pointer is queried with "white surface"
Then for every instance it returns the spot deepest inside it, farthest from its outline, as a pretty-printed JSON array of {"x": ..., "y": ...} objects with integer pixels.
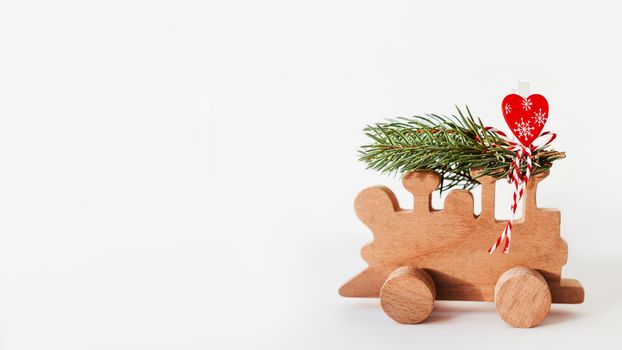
[{"x": 180, "y": 174}]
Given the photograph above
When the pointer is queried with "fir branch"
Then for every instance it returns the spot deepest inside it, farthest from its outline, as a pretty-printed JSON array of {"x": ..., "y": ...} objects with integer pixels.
[{"x": 451, "y": 146}]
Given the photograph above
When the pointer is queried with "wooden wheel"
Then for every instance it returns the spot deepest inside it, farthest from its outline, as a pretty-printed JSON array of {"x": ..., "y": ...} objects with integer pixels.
[
  {"x": 407, "y": 295},
  {"x": 522, "y": 297}
]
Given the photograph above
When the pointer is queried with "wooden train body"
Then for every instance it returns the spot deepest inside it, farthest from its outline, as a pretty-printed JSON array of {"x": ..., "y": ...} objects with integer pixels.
[{"x": 450, "y": 245}]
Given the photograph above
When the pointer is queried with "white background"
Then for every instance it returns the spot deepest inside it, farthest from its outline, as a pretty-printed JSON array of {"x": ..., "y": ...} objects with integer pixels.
[{"x": 180, "y": 175}]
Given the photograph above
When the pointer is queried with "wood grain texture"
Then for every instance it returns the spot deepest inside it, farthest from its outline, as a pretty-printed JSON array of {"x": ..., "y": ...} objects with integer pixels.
[
  {"x": 522, "y": 297},
  {"x": 451, "y": 244},
  {"x": 408, "y": 295}
]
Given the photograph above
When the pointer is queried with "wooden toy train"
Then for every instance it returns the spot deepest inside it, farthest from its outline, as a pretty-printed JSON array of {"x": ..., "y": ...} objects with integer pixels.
[{"x": 424, "y": 254}]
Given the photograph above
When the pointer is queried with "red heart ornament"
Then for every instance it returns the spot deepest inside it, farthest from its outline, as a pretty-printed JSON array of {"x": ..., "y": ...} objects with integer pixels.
[{"x": 525, "y": 116}]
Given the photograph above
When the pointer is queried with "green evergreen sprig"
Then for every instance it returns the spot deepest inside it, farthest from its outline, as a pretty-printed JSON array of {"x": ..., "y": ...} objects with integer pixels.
[{"x": 452, "y": 146}]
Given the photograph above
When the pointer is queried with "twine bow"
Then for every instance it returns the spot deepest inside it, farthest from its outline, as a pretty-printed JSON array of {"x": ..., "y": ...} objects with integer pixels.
[{"x": 518, "y": 180}]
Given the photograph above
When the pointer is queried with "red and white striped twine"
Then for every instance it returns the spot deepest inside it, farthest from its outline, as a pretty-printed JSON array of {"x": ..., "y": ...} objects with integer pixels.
[{"x": 519, "y": 180}]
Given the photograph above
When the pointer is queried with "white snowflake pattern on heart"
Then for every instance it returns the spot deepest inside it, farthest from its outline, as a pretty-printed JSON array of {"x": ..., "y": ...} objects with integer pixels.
[
  {"x": 539, "y": 117},
  {"x": 508, "y": 108},
  {"x": 524, "y": 129},
  {"x": 527, "y": 104}
]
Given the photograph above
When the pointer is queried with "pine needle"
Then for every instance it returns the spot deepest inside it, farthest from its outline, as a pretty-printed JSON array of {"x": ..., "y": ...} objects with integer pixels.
[{"x": 450, "y": 145}]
